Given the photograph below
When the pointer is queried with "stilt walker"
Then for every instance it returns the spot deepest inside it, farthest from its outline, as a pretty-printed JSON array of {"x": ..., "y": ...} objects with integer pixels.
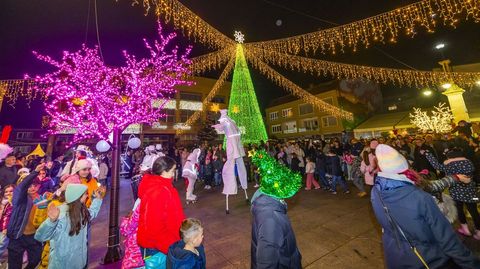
[
  {"x": 190, "y": 173},
  {"x": 235, "y": 154}
]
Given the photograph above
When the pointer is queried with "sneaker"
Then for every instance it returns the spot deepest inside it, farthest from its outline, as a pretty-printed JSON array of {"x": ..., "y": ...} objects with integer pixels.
[
  {"x": 334, "y": 192},
  {"x": 206, "y": 187},
  {"x": 307, "y": 189},
  {"x": 256, "y": 186},
  {"x": 317, "y": 188},
  {"x": 346, "y": 192}
]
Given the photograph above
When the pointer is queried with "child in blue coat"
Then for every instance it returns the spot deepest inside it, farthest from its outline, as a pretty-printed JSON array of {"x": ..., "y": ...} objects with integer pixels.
[{"x": 188, "y": 252}]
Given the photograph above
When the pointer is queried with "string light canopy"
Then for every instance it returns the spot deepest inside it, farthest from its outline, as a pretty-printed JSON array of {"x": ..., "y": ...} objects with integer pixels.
[{"x": 94, "y": 99}]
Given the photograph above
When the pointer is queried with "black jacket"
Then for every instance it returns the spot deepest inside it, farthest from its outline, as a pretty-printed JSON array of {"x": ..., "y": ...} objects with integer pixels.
[
  {"x": 273, "y": 241},
  {"x": 8, "y": 175},
  {"x": 335, "y": 166}
]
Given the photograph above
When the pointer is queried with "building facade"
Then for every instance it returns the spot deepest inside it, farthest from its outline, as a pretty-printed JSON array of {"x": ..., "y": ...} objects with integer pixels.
[{"x": 288, "y": 117}]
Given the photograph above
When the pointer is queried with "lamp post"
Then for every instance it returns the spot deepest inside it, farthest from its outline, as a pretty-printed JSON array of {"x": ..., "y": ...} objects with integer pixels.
[{"x": 455, "y": 96}]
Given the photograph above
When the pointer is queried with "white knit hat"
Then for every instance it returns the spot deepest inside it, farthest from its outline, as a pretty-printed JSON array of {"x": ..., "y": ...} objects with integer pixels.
[
  {"x": 390, "y": 160},
  {"x": 81, "y": 164}
]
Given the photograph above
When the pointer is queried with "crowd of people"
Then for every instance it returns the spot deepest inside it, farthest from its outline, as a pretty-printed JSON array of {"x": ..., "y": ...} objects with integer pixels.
[{"x": 48, "y": 206}]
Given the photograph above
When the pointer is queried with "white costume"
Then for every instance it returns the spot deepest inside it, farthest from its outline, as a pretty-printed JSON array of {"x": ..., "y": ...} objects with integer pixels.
[
  {"x": 235, "y": 154},
  {"x": 148, "y": 159},
  {"x": 190, "y": 173}
]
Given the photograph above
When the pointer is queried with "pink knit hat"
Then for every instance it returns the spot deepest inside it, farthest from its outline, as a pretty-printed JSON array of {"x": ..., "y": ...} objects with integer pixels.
[
  {"x": 390, "y": 160},
  {"x": 373, "y": 144}
]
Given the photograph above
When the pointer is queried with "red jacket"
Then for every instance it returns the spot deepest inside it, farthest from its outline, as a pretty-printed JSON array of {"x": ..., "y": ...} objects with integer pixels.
[{"x": 161, "y": 213}]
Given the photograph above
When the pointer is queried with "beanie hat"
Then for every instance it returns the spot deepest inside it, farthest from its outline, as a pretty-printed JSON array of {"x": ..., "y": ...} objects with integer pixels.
[
  {"x": 390, "y": 160},
  {"x": 23, "y": 170},
  {"x": 74, "y": 191},
  {"x": 373, "y": 144},
  {"x": 81, "y": 164}
]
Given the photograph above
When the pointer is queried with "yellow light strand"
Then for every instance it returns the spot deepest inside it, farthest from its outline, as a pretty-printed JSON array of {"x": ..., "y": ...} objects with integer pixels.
[
  {"x": 400, "y": 77},
  {"x": 216, "y": 87},
  {"x": 296, "y": 90},
  {"x": 383, "y": 28},
  {"x": 211, "y": 61}
]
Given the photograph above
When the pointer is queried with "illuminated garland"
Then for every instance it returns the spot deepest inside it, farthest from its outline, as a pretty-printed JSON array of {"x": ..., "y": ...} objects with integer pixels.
[
  {"x": 216, "y": 87},
  {"x": 12, "y": 89},
  {"x": 382, "y": 75},
  {"x": 212, "y": 61},
  {"x": 243, "y": 106},
  {"x": 439, "y": 122},
  {"x": 276, "y": 180},
  {"x": 382, "y": 28},
  {"x": 188, "y": 22},
  {"x": 296, "y": 90}
]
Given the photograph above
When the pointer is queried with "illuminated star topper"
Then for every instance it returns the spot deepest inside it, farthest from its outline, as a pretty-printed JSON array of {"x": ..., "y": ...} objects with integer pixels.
[{"x": 239, "y": 37}]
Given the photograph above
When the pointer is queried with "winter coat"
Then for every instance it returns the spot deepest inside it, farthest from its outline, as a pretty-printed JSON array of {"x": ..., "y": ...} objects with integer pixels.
[
  {"x": 462, "y": 192},
  {"x": 21, "y": 206},
  {"x": 133, "y": 257},
  {"x": 356, "y": 167},
  {"x": 180, "y": 258},
  {"x": 273, "y": 241},
  {"x": 217, "y": 166},
  {"x": 369, "y": 171},
  {"x": 66, "y": 251},
  {"x": 320, "y": 163},
  {"x": 295, "y": 164},
  {"x": 161, "y": 213},
  {"x": 335, "y": 166},
  {"x": 310, "y": 168},
  {"x": 8, "y": 175},
  {"x": 420, "y": 162},
  {"x": 424, "y": 225},
  {"x": 5, "y": 217},
  {"x": 47, "y": 185},
  {"x": 103, "y": 171}
]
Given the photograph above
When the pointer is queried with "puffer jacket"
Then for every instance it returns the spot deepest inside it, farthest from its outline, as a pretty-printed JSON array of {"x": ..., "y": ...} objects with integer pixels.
[
  {"x": 66, "y": 251},
  {"x": 424, "y": 225},
  {"x": 273, "y": 241},
  {"x": 180, "y": 258},
  {"x": 462, "y": 192},
  {"x": 161, "y": 213}
]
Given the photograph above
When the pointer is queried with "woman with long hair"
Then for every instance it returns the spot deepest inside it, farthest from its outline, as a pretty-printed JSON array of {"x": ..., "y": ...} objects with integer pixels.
[
  {"x": 161, "y": 212},
  {"x": 67, "y": 225}
]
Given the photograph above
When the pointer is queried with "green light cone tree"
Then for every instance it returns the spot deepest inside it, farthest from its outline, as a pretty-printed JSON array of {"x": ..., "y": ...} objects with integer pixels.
[{"x": 243, "y": 106}]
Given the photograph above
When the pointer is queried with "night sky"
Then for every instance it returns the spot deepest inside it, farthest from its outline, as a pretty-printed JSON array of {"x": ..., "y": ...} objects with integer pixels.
[{"x": 51, "y": 26}]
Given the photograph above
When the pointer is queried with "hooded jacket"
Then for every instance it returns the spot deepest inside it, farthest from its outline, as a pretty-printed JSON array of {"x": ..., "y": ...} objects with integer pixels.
[
  {"x": 273, "y": 241},
  {"x": 180, "y": 258},
  {"x": 161, "y": 213},
  {"x": 424, "y": 225}
]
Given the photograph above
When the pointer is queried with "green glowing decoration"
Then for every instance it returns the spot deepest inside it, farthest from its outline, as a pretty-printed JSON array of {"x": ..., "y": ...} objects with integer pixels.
[
  {"x": 243, "y": 107},
  {"x": 276, "y": 180}
]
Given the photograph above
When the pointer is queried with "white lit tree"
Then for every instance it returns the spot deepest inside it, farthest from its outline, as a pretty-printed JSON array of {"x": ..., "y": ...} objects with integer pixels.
[{"x": 439, "y": 121}]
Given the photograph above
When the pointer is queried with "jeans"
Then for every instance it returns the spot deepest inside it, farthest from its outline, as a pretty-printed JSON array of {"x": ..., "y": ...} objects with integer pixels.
[
  {"x": 341, "y": 181},
  {"x": 322, "y": 179},
  {"x": 17, "y": 247},
  {"x": 3, "y": 243},
  {"x": 218, "y": 178}
]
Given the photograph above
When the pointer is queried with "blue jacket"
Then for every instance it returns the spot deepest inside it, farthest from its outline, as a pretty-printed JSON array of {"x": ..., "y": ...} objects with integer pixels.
[
  {"x": 273, "y": 241},
  {"x": 423, "y": 224},
  {"x": 179, "y": 258},
  {"x": 21, "y": 206},
  {"x": 66, "y": 251}
]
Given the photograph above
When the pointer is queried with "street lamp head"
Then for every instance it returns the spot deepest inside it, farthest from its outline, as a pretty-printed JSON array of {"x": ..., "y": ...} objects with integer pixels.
[
  {"x": 427, "y": 92},
  {"x": 440, "y": 46},
  {"x": 446, "y": 86}
]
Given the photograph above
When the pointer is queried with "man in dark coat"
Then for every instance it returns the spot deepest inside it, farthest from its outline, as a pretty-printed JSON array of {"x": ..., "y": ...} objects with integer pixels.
[
  {"x": 8, "y": 171},
  {"x": 420, "y": 162},
  {"x": 410, "y": 216},
  {"x": 273, "y": 241}
]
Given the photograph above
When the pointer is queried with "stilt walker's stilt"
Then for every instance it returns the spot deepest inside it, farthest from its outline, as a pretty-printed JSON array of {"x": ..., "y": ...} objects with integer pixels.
[{"x": 227, "y": 211}]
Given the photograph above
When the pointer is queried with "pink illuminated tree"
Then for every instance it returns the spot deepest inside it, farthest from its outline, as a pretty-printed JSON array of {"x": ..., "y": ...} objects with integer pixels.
[{"x": 92, "y": 99}]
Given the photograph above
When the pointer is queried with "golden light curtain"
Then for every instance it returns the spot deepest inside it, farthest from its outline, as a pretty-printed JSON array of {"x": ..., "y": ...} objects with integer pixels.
[{"x": 211, "y": 61}]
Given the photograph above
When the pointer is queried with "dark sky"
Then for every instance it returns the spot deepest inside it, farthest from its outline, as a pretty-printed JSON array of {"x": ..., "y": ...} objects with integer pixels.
[{"x": 51, "y": 26}]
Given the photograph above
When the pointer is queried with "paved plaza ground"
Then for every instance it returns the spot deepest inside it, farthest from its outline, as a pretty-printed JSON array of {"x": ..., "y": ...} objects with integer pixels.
[{"x": 333, "y": 231}]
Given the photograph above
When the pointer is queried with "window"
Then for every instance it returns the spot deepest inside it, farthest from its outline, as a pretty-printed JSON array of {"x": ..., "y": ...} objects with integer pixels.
[
  {"x": 287, "y": 112},
  {"x": 218, "y": 99},
  {"x": 169, "y": 116},
  {"x": 329, "y": 121},
  {"x": 274, "y": 115},
  {"x": 328, "y": 100},
  {"x": 24, "y": 135},
  {"x": 392, "y": 107},
  {"x": 190, "y": 96},
  {"x": 310, "y": 124},
  {"x": 185, "y": 115},
  {"x": 290, "y": 127},
  {"x": 276, "y": 128},
  {"x": 305, "y": 109}
]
